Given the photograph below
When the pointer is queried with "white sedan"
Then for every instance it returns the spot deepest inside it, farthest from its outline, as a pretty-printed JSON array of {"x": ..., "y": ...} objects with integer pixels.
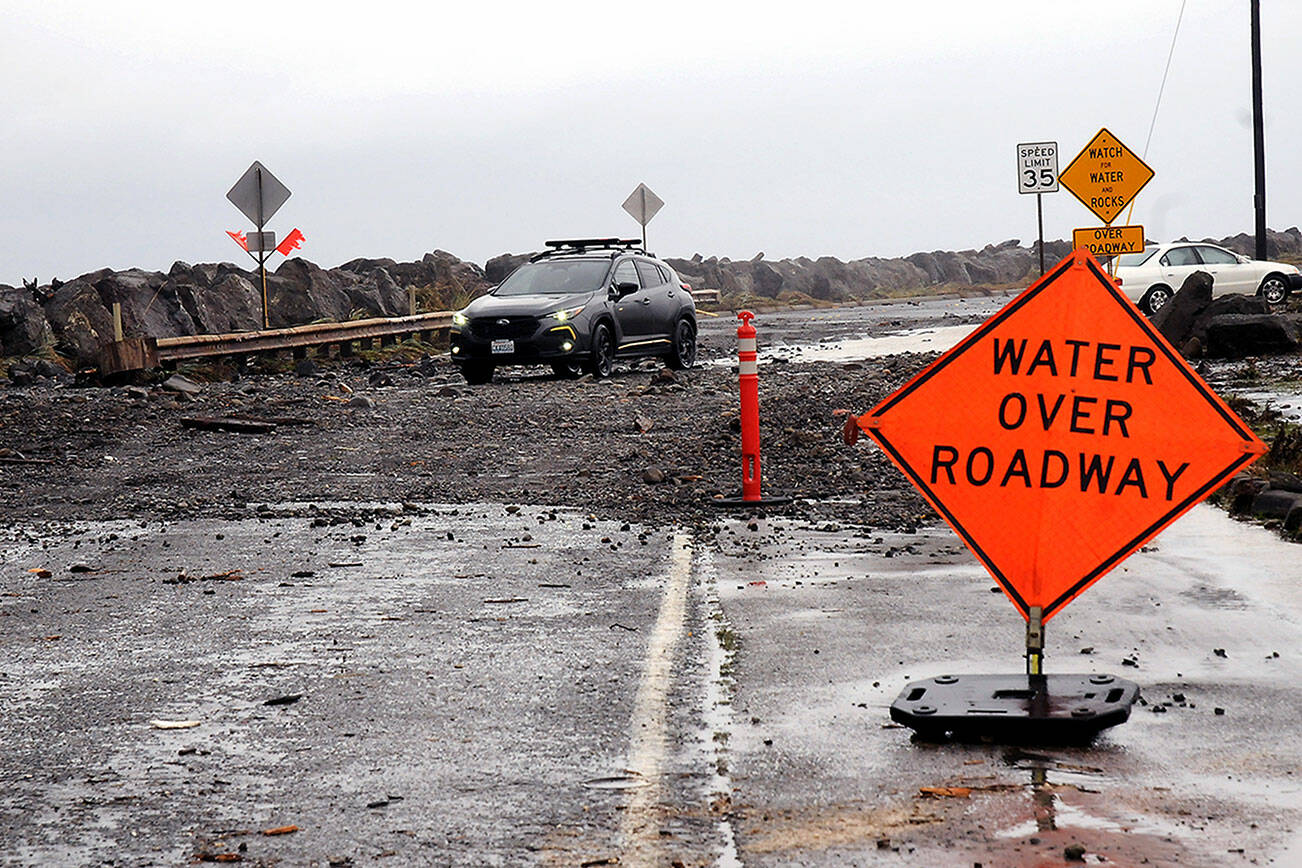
[{"x": 1150, "y": 278}]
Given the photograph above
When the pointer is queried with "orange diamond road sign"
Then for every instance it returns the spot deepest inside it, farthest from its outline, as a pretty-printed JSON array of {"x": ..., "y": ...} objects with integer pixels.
[
  {"x": 1105, "y": 176},
  {"x": 1104, "y": 241},
  {"x": 1061, "y": 435}
]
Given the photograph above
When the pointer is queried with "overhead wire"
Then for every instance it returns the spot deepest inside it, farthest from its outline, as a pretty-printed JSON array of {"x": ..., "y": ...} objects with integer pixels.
[
  {"x": 1165, "y": 72},
  {"x": 1160, "y": 90}
]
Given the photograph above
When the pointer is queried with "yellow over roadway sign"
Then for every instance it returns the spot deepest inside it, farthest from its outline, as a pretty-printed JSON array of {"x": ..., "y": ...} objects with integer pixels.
[
  {"x": 1105, "y": 241},
  {"x": 1105, "y": 176}
]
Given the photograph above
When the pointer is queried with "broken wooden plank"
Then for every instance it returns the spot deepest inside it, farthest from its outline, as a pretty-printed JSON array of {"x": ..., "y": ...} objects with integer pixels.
[{"x": 226, "y": 423}]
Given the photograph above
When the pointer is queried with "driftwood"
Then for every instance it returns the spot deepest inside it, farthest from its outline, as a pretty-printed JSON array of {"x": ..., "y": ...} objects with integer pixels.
[{"x": 236, "y": 426}]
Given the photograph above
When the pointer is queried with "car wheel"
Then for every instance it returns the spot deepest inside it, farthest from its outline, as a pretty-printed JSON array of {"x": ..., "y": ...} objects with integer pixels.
[
  {"x": 683, "y": 355},
  {"x": 568, "y": 370},
  {"x": 603, "y": 351},
  {"x": 1274, "y": 289},
  {"x": 477, "y": 373},
  {"x": 1153, "y": 301}
]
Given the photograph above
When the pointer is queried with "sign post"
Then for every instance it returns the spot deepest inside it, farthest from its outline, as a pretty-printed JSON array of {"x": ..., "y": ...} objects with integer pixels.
[
  {"x": 1037, "y": 172},
  {"x": 642, "y": 204},
  {"x": 1059, "y": 408},
  {"x": 258, "y": 194}
]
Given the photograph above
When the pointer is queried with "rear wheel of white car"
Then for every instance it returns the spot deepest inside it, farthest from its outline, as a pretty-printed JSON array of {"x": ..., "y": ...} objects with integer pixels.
[
  {"x": 1154, "y": 299},
  {"x": 1274, "y": 289}
]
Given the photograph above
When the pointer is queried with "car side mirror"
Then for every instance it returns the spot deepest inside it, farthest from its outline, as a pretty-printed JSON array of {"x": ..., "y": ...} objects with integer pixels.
[
  {"x": 620, "y": 290},
  {"x": 1243, "y": 260}
]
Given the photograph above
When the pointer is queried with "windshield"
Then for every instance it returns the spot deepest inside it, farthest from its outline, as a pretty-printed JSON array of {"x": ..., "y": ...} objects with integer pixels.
[
  {"x": 555, "y": 277},
  {"x": 1132, "y": 259}
]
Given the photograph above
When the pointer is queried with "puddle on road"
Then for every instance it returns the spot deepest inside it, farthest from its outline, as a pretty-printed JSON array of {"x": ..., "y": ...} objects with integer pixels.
[
  {"x": 1289, "y": 404},
  {"x": 926, "y": 340}
]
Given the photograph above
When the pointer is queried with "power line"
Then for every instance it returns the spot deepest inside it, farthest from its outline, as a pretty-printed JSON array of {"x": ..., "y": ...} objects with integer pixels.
[{"x": 1165, "y": 72}]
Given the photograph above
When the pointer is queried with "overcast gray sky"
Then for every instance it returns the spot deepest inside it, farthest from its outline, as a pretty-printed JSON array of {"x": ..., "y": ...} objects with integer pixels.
[{"x": 812, "y": 128}]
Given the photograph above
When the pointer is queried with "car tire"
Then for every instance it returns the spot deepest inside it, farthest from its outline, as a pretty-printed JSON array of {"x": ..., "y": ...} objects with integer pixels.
[
  {"x": 477, "y": 373},
  {"x": 568, "y": 370},
  {"x": 1274, "y": 289},
  {"x": 1153, "y": 300},
  {"x": 683, "y": 355},
  {"x": 602, "y": 361}
]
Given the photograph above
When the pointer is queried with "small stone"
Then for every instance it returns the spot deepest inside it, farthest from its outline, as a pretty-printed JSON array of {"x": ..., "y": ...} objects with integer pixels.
[
  {"x": 1073, "y": 853},
  {"x": 1219, "y": 712},
  {"x": 1219, "y": 652},
  {"x": 361, "y": 402},
  {"x": 653, "y": 476},
  {"x": 182, "y": 385}
]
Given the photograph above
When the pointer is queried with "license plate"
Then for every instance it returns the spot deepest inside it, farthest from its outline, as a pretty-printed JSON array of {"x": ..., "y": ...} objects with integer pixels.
[{"x": 503, "y": 347}]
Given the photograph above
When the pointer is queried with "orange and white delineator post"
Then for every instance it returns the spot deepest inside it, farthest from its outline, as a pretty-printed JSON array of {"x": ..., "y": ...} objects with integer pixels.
[{"x": 748, "y": 377}]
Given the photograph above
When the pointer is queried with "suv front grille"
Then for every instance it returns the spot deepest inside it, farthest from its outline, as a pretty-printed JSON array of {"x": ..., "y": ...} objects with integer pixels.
[{"x": 514, "y": 327}]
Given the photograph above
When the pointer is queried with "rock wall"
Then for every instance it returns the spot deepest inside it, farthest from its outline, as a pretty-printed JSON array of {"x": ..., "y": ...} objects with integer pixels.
[
  {"x": 76, "y": 317},
  {"x": 831, "y": 279},
  {"x": 215, "y": 298}
]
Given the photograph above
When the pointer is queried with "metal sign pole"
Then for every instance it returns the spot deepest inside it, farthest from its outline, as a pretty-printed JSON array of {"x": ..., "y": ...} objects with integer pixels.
[
  {"x": 1035, "y": 641},
  {"x": 262, "y": 257},
  {"x": 644, "y": 221},
  {"x": 1039, "y": 219}
]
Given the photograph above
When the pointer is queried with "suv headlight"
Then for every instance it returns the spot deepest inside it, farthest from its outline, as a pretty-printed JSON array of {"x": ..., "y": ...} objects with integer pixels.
[
  {"x": 460, "y": 320},
  {"x": 567, "y": 314}
]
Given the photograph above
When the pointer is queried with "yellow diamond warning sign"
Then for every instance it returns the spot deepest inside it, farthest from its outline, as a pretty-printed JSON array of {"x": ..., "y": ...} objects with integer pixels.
[
  {"x": 1105, "y": 176},
  {"x": 1105, "y": 241}
]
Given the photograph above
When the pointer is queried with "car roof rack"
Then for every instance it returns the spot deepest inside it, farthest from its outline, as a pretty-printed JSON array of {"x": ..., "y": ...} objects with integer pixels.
[{"x": 568, "y": 246}]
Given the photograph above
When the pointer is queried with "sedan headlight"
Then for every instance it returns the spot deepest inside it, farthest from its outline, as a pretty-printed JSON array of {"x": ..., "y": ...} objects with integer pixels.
[
  {"x": 567, "y": 314},
  {"x": 460, "y": 320}
]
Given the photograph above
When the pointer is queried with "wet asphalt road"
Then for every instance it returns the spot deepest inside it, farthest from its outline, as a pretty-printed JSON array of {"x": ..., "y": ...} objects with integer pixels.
[
  {"x": 493, "y": 685},
  {"x": 466, "y": 683}
]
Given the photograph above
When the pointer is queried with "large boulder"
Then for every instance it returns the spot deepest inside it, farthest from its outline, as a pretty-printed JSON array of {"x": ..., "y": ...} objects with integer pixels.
[
  {"x": 377, "y": 294},
  {"x": 302, "y": 292},
  {"x": 23, "y": 327},
  {"x": 497, "y": 268},
  {"x": 1246, "y": 334},
  {"x": 80, "y": 322},
  {"x": 1175, "y": 319},
  {"x": 150, "y": 304},
  {"x": 231, "y": 304}
]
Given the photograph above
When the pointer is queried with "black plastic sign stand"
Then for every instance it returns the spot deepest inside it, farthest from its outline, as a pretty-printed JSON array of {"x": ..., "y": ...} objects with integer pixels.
[{"x": 1015, "y": 709}]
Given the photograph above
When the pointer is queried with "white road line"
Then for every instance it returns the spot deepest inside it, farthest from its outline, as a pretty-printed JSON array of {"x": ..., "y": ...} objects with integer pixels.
[{"x": 648, "y": 742}]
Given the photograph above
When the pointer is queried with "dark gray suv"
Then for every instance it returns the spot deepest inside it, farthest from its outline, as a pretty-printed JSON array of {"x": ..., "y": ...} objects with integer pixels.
[{"x": 577, "y": 307}]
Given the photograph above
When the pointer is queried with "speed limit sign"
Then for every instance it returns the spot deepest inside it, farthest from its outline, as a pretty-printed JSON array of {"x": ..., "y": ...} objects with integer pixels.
[{"x": 1037, "y": 167}]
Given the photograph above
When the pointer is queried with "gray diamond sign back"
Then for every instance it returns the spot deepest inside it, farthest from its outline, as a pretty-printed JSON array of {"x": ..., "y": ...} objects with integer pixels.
[
  {"x": 643, "y": 204},
  {"x": 258, "y": 194}
]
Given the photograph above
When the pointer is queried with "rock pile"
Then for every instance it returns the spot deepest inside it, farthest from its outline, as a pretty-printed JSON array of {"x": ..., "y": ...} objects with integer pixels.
[
  {"x": 217, "y": 298},
  {"x": 1228, "y": 327},
  {"x": 214, "y": 299}
]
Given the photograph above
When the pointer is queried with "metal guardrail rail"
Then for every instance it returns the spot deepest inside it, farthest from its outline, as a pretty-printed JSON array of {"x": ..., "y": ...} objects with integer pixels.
[{"x": 295, "y": 337}]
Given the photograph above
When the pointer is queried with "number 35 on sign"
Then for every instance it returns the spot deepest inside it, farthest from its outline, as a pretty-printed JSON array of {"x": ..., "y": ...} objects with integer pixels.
[{"x": 1037, "y": 167}]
